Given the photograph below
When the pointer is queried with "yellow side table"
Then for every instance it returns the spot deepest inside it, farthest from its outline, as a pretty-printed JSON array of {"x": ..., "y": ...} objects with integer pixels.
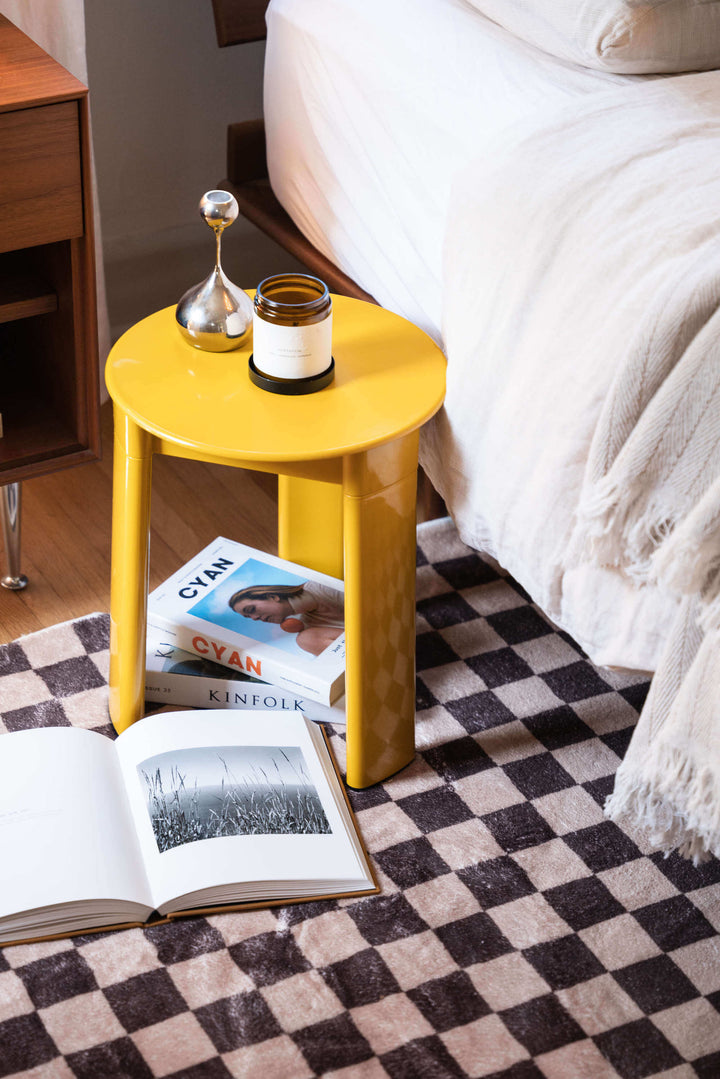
[{"x": 346, "y": 460}]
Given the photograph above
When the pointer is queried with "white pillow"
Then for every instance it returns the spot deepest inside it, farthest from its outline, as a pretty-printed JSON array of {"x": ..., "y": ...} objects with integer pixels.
[{"x": 624, "y": 36}]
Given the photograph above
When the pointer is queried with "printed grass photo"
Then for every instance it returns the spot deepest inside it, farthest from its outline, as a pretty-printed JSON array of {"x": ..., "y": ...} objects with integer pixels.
[{"x": 211, "y": 793}]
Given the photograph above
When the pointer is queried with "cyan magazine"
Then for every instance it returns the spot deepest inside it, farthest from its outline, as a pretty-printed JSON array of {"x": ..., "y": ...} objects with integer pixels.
[{"x": 259, "y": 615}]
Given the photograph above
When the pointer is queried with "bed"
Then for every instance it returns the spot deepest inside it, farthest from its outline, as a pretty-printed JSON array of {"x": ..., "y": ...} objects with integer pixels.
[{"x": 549, "y": 213}]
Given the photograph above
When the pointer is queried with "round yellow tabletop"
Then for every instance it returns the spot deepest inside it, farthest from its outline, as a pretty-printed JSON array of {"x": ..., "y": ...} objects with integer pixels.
[{"x": 389, "y": 379}]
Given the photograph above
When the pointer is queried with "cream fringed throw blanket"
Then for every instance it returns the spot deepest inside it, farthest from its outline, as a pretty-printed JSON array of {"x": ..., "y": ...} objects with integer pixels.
[
  {"x": 651, "y": 506},
  {"x": 580, "y": 441}
]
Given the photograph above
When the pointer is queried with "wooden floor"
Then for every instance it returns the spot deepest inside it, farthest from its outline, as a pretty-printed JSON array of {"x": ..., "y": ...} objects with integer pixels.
[{"x": 65, "y": 531}]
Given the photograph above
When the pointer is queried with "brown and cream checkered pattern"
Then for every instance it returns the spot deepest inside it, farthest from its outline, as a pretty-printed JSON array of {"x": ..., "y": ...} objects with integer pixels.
[{"x": 519, "y": 934}]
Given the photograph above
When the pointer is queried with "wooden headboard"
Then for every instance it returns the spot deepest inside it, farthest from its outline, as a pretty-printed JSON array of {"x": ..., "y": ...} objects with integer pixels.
[{"x": 238, "y": 21}]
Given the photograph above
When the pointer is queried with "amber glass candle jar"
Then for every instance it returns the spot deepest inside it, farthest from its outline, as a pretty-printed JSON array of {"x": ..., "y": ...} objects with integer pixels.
[{"x": 292, "y": 327}]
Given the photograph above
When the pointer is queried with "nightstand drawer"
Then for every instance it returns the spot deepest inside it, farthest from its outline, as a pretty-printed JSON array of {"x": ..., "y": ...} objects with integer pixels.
[{"x": 40, "y": 176}]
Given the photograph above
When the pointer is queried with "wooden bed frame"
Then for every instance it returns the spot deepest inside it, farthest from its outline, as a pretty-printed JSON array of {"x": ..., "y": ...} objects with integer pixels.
[
  {"x": 236, "y": 23},
  {"x": 239, "y": 21}
]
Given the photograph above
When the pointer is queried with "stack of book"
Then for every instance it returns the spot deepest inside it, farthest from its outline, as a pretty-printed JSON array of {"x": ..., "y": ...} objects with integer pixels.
[{"x": 237, "y": 628}]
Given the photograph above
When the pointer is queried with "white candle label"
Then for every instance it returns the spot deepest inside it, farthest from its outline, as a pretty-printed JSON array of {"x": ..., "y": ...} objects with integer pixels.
[{"x": 292, "y": 351}]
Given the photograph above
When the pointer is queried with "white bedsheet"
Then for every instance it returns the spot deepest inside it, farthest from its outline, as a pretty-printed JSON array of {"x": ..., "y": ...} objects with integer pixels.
[
  {"x": 372, "y": 107},
  {"x": 375, "y": 111}
]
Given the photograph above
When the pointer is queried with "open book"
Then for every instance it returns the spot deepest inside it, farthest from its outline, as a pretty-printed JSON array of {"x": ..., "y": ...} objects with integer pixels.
[{"x": 183, "y": 811}]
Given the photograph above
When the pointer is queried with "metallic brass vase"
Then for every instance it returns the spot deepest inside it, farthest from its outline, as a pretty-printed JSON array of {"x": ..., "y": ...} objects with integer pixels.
[{"x": 216, "y": 315}]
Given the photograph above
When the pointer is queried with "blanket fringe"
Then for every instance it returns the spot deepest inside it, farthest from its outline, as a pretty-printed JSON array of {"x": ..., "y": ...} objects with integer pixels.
[
  {"x": 620, "y": 528},
  {"x": 599, "y": 506},
  {"x": 691, "y": 564},
  {"x": 678, "y": 806}
]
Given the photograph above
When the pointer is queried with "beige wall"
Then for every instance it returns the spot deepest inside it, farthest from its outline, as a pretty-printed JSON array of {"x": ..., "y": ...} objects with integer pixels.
[{"x": 162, "y": 94}]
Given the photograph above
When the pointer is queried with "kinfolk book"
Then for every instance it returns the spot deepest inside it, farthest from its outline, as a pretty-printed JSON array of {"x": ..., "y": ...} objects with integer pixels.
[
  {"x": 258, "y": 614},
  {"x": 175, "y": 677},
  {"x": 182, "y": 813}
]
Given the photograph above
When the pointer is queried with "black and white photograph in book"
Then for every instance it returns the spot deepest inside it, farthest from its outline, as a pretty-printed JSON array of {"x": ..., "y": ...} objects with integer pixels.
[{"x": 210, "y": 793}]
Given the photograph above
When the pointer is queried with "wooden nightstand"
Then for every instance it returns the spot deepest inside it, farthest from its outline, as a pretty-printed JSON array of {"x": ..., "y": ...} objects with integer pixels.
[{"x": 49, "y": 410}]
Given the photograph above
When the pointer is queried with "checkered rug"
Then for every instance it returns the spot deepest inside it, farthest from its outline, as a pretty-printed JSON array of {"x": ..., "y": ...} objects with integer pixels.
[{"x": 518, "y": 934}]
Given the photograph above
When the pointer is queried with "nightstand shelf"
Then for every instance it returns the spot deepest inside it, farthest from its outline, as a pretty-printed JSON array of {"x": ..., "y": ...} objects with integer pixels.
[
  {"x": 32, "y": 434},
  {"x": 24, "y": 297}
]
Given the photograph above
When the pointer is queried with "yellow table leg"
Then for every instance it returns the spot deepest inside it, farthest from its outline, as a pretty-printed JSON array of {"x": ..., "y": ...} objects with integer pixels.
[
  {"x": 132, "y": 469},
  {"x": 379, "y": 497},
  {"x": 310, "y": 524}
]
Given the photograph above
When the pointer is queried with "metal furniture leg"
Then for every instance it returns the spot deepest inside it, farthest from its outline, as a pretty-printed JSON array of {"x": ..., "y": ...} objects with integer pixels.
[{"x": 11, "y": 501}]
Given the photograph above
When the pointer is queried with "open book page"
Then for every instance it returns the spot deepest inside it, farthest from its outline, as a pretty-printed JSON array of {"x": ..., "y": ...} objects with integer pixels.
[
  {"x": 66, "y": 835},
  {"x": 232, "y": 806}
]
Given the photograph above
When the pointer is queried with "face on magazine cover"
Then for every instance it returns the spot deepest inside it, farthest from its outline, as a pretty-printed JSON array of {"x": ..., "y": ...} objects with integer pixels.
[
  {"x": 274, "y": 606},
  {"x": 268, "y": 607},
  {"x": 278, "y": 604}
]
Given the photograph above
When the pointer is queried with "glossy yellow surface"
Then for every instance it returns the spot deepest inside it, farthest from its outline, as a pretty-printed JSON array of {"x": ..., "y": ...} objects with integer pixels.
[
  {"x": 389, "y": 379},
  {"x": 346, "y": 458},
  {"x": 310, "y": 524},
  {"x": 129, "y": 570},
  {"x": 379, "y": 530}
]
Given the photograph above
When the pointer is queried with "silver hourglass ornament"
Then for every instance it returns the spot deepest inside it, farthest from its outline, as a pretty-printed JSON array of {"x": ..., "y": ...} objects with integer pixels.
[{"x": 216, "y": 315}]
